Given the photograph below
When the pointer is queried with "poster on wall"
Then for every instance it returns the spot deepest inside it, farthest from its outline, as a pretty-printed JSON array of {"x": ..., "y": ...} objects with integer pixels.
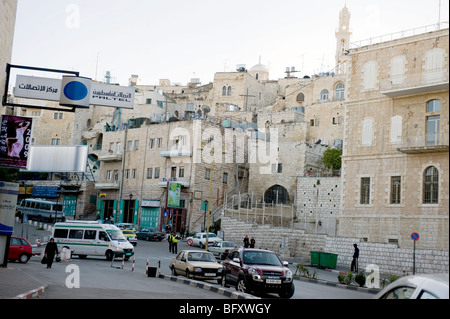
[
  {"x": 8, "y": 200},
  {"x": 173, "y": 199},
  {"x": 15, "y": 136}
]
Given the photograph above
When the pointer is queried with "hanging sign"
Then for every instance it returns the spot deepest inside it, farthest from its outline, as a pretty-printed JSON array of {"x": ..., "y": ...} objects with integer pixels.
[{"x": 15, "y": 134}]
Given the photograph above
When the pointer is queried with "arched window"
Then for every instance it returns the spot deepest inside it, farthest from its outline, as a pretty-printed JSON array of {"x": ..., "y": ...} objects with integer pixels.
[
  {"x": 300, "y": 97},
  {"x": 340, "y": 90},
  {"x": 430, "y": 185},
  {"x": 224, "y": 90},
  {"x": 229, "y": 90},
  {"x": 324, "y": 95},
  {"x": 276, "y": 194}
]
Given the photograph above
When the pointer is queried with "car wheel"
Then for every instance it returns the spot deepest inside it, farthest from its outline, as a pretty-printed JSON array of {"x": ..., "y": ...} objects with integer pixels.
[
  {"x": 287, "y": 293},
  {"x": 187, "y": 273},
  {"x": 147, "y": 238},
  {"x": 242, "y": 286},
  {"x": 109, "y": 255},
  {"x": 224, "y": 281},
  {"x": 23, "y": 258},
  {"x": 174, "y": 273},
  {"x": 201, "y": 245}
]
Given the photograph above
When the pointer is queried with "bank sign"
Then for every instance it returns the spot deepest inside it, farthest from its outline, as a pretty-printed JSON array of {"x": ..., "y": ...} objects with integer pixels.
[{"x": 74, "y": 91}]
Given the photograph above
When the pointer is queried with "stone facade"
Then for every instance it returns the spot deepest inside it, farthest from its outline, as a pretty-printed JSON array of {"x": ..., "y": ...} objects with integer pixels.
[{"x": 396, "y": 130}]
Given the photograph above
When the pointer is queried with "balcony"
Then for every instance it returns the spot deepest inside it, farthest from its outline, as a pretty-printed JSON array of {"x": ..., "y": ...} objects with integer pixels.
[
  {"x": 176, "y": 152},
  {"x": 416, "y": 83},
  {"x": 110, "y": 156},
  {"x": 184, "y": 181},
  {"x": 428, "y": 143}
]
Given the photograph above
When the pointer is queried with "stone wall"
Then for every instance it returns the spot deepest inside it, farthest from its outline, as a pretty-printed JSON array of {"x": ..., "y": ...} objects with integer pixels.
[{"x": 296, "y": 243}]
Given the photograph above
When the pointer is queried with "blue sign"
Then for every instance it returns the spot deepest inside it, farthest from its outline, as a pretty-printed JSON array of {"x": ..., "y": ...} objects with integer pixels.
[
  {"x": 75, "y": 90},
  {"x": 45, "y": 191},
  {"x": 415, "y": 236}
]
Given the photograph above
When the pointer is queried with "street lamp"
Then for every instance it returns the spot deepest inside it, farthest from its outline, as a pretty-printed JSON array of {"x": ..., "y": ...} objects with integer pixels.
[{"x": 205, "y": 203}]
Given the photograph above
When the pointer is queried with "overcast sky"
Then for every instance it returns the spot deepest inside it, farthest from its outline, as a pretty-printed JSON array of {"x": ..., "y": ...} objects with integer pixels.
[{"x": 180, "y": 40}]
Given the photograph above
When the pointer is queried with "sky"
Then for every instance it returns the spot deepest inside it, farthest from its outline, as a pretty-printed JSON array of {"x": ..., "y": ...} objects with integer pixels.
[{"x": 180, "y": 40}]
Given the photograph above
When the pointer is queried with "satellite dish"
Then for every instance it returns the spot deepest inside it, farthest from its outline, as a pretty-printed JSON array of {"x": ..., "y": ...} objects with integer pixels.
[{"x": 206, "y": 109}]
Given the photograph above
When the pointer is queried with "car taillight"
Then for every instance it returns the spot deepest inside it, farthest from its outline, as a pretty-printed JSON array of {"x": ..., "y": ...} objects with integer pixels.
[{"x": 226, "y": 250}]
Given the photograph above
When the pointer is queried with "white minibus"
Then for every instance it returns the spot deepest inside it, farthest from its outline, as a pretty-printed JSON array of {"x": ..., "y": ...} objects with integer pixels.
[
  {"x": 85, "y": 238},
  {"x": 40, "y": 210}
]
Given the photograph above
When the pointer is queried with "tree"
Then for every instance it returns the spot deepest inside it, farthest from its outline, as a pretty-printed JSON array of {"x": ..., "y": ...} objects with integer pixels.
[{"x": 332, "y": 158}]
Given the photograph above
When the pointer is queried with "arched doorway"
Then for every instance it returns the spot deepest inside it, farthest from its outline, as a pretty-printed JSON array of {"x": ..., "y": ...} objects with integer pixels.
[{"x": 276, "y": 194}]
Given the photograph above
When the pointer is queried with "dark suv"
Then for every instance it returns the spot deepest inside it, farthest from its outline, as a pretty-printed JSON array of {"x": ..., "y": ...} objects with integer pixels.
[{"x": 258, "y": 270}]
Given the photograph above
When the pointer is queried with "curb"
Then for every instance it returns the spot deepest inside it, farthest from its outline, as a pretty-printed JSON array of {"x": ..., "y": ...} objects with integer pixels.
[
  {"x": 338, "y": 285},
  {"x": 210, "y": 287},
  {"x": 32, "y": 293}
]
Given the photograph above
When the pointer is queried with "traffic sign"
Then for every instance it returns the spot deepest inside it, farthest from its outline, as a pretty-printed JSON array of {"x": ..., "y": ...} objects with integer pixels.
[
  {"x": 190, "y": 242},
  {"x": 415, "y": 236}
]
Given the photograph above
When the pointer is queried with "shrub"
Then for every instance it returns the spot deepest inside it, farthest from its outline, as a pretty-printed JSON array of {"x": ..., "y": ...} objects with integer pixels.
[{"x": 360, "y": 279}]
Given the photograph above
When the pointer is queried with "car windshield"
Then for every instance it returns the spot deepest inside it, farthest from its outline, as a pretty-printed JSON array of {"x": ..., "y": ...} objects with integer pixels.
[
  {"x": 201, "y": 256},
  {"x": 261, "y": 258},
  {"x": 228, "y": 244},
  {"x": 116, "y": 235}
]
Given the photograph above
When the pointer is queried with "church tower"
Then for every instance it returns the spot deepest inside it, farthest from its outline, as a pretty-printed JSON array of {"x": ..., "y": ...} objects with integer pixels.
[{"x": 343, "y": 40}]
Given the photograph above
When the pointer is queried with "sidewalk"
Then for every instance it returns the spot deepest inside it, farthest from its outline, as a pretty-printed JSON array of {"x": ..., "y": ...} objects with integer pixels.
[{"x": 15, "y": 284}]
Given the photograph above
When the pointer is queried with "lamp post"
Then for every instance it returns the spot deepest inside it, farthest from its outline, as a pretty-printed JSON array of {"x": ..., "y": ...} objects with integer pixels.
[{"x": 205, "y": 203}]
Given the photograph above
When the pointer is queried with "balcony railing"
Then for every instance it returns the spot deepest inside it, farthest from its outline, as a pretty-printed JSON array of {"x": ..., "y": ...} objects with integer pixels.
[
  {"x": 415, "y": 83},
  {"x": 173, "y": 152},
  {"x": 428, "y": 143},
  {"x": 110, "y": 156}
]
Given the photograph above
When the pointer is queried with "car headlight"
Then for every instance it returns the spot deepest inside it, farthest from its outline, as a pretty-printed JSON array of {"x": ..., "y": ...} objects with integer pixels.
[
  {"x": 197, "y": 269},
  {"x": 220, "y": 270},
  {"x": 255, "y": 274},
  {"x": 288, "y": 274}
]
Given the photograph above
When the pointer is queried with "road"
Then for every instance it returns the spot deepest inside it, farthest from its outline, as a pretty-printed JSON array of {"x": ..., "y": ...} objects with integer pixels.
[{"x": 102, "y": 279}]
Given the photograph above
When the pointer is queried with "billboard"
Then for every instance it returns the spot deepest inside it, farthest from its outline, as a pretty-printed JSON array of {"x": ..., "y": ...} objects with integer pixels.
[
  {"x": 59, "y": 158},
  {"x": 8, "y": 200},
  {"x": 173, "y": 194},
  {"x": 15, "y": 135}
]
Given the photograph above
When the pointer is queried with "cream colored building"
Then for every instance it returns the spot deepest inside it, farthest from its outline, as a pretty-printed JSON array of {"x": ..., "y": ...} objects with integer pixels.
[{"x": 396, "y": 142}]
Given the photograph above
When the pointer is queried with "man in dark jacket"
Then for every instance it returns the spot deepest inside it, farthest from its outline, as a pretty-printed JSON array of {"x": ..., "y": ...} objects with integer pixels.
[
  {"x": 354, "y": 266},
  {"x": 50, "y": 251}
]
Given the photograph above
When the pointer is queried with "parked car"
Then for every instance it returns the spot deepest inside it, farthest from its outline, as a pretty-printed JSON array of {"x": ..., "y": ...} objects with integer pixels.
[
  {"x": 199, "y": 239},
  {"x": 197, "y": 264},
  {"x": 258, "y": 270},
  {"x": 19, "y": 249},
  {"x": 426, "y": 286},
  {"x": 130, "y": 235},
  {"x": 150, "y": 234},
  {"x": 222, "y": 248}
]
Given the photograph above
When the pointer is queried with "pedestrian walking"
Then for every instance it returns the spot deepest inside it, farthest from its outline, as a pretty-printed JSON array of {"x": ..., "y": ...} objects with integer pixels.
[
  {"x": 354, "y": 266},
  {"x": 50, "y": 251},
  {"x": 169, "y": 238},
  {"x": 246, "y": 242},
  {"x": 252, "y": 242}
]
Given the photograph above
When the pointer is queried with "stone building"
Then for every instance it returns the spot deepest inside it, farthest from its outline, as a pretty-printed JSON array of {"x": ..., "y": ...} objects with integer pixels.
[{"x": 395, "y": 177}]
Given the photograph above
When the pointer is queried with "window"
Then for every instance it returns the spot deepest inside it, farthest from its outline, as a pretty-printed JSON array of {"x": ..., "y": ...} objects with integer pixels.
[
  {"x": 90, "y": 234},
  {"x": 76, "y": 233},
  {"x": 434, "y": 65},
  {"x": 207, "y": 173},
  {"x": 108, "y": 175},
  {"x": 229, "y": 90},
  {"x": 133, "y": 173},
  {"x": 56, "y": 141},
  {"x": 148, "y": 101},
  {"x": 395, "y": 189},
  {"x": 224, "y": 90},
  {"x": 396, "y": 129},
  {"x": 156, "y": 172},
  {"x": 57, "y": 116},
  {"x": 398, "y": 70},
  {"x": 369, "y": 75},
  {"x": 367, "y": 132},
  {"x": 430, "y": 185},
  {"x": 152, "y": 143},
  {"x": 129, "y": 145},
  {"x": 433, "y": 106},
  {"x": 280, "y": 168},
  {"x": 159, "y": 142},
  {"x": 225, "y": 178},
  {"x": 181, "y": 172},
  {"x": 300, "y": 97},
  {"x": 160, "y": 104},
  {"x": 127, "y": 174},
  {"x": 136, "y": 145},
  {"x": 173, "y": 172},
  {"x": 116, "y": 175},
  {"x": 324, "y": 95},
  {"x": 340, "y": 91},
  {"x": 365, "y": 191},
  {"x": 149, "y": 173}
]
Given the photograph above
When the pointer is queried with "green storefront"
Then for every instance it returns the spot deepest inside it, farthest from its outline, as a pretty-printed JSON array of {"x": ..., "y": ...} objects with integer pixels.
[{"x": 150, "y": 213}]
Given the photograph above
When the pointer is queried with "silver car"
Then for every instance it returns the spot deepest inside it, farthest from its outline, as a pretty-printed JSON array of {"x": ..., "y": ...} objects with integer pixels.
[
  {"x": 427, "y": 286},
  {"x": 222, "y": 248}
]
